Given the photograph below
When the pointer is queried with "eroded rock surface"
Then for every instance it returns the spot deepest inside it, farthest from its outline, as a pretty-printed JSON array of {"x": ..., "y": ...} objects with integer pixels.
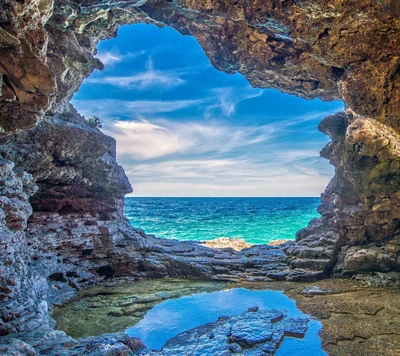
[
  {"x": 313, "y": 49},
  {"x": 252, "y": 333},
  {"x": 112, "y": 307},
  {"x": 22, "y": 296},
  {"x": 359, "y": 228},
  {"x": 357, "y": 318},
  {"x": 77, "y": 235}
]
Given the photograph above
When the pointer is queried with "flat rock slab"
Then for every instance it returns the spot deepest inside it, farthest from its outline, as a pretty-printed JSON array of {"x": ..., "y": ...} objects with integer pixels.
[{"x": 250, "y": 333}]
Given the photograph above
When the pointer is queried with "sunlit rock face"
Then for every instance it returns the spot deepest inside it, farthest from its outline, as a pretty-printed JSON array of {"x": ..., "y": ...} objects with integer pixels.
[
  {"x": 313, "y": 49},
  {"x": 328, "y": 49},
  {"x": 359, "y": 228},
  {"x": 73, "y": 164}
]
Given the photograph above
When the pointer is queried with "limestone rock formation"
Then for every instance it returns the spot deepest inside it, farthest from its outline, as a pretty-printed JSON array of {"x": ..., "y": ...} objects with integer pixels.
[
  {"x": 359, "y": 228},
  {"x": 257, "y": 332},
  {"x": 22, "y": 295},
  {"x": 61, "y": 191}
]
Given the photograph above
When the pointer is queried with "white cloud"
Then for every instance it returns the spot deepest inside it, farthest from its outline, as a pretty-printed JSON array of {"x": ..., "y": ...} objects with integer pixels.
[
  {"x": 112, "y": 108},
  {"x": 109, "y": 57},
  {"x": 113, "y": 57},
  {"x": 143, "y": 140},
  {"x": 143, "y": 80},
  {"x": 226, "y": 99},
  {"x": 167, "y": 158},
  {"x": 221, "y": 178}
]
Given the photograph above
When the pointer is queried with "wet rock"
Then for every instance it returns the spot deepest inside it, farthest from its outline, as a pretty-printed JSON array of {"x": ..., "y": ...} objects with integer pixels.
[
  {"x": 357, "y": 317},
  {"x": 257, "y": 332},
  {"x": 314, "y": 290},
  {"x": 83, "y": 317},
  {"x": 107, "y": 344},
  {"x": 252, "y": 309},
  {"x": 45, "y": 340},
  {"x": 247, "y": 335},
  {"x": 377, "y": 279}
]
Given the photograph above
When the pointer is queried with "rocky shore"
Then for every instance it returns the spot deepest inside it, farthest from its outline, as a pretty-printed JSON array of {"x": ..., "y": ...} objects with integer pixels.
[
  {"x": 225, "y": 242},
  {"x": 61, "y": 190},
  {"x": 358, "y": 317}
]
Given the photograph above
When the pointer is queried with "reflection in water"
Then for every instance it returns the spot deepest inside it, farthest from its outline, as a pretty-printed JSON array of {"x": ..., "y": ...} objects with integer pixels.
[{"x": 172, "y": 317}]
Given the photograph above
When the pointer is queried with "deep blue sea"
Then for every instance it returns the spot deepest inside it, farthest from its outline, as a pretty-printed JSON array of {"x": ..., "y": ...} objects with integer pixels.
[{"x": 256, "y": 220}]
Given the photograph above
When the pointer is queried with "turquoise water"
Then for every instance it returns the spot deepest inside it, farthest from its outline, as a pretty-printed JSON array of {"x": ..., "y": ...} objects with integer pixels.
[
  {"x": 256, "y": 220},
  {"x": 174, "y": 316}
]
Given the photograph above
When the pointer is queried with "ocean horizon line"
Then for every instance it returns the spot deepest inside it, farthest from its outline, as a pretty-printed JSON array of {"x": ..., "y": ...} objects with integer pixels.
[{"x": 222, "y": 197}]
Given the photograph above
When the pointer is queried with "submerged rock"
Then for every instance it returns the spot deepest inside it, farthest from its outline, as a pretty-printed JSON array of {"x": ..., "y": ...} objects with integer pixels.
[
  {"x": 111, "y": 308},
  {"x": 255, "y": 333}
]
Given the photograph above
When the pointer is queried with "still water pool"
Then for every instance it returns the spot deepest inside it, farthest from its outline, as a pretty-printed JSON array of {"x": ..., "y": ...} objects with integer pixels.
[{"x": 174, "y": 316}]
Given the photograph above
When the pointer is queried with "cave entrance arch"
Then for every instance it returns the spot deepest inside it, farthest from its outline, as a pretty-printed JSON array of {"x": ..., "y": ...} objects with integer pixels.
[
  {"x": 281, "y": 45},
  {"x": 176, "y": 117},
  {"x": 313, "y": 50}
]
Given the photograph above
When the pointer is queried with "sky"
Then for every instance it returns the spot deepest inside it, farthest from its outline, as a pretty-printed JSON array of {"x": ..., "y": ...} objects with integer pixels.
[{"x": 184, "y": 128}]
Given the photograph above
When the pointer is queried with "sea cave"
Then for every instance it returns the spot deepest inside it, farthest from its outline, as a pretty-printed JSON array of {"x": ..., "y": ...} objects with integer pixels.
[{"x": 64, "y": 236}]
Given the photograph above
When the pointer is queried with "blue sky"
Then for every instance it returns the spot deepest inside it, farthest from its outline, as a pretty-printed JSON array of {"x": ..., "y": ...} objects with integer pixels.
[{"x": 184, "y": 128}]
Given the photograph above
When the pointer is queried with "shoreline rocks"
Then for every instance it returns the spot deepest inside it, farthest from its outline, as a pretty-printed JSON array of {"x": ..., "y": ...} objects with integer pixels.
[
  {"x": 236, "y": 244},
  {"x": 77, "y": 235}
]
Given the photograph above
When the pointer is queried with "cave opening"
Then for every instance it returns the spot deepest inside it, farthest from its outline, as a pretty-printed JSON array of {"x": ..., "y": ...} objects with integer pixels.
[
  {"x": 62, "y": 191},
  {"x": 207, "y": 154}
]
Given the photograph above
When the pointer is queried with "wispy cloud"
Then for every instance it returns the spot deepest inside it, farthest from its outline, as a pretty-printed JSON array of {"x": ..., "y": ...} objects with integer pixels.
[
  {"x": 116, "y": 56},
  {"x": 109, "y": 57},
  {"x": 114, "y": 108},
  {"x": 226, "y": 99},
  {"x": 170, "y": 158},
  {"x": 224, "y": 177},
  {"x": 143, "y": 139},
  {"x": 142, "y": 80}
]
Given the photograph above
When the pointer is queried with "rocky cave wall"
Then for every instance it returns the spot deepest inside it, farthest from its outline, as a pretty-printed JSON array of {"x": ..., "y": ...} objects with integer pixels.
[{"x": 63, "y": 170}]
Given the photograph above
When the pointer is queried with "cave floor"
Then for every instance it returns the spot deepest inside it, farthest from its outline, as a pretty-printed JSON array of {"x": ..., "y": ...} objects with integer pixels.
[{"x": 357, "y": 318}]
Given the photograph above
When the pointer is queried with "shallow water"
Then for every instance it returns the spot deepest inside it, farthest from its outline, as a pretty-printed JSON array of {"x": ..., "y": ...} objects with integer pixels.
[
  {"x": 172, "y": 317},
  {"x": 111, "y": 308},
  {"x": 256, "y": 220}
]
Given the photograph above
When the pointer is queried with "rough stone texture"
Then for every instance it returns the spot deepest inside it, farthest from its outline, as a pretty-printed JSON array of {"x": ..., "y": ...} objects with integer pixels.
[
  {"x": 111, "y": 307},
  {"x": 22, "y": 304},
  {"x": 73, "y": 165},
  {"x": 90, "y": 250},
  {"x": 77, "y": 234},
  {"x": 313, "y": 49},
  {"x": 360, "y": 207},
  {"x": 357, "y": 318},
  {"x": 56, "y": 343},
  {"x": 225, "y": 242},
  {"x": 254, "y": 332}
]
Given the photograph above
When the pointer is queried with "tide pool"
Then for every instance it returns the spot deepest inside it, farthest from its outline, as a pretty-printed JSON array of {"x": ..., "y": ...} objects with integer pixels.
[{"x": 174, "y": 316}]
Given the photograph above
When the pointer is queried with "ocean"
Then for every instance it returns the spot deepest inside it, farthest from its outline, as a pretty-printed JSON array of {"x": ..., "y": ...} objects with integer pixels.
[{"x": 256, "y": 220}]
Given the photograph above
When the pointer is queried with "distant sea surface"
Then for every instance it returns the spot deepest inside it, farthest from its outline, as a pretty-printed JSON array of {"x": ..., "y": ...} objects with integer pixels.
[{"x": 256, "y": 220}]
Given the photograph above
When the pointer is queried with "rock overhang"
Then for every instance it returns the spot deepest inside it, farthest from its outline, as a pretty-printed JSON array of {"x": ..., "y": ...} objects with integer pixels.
[{"x": 340, "y": 50}]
